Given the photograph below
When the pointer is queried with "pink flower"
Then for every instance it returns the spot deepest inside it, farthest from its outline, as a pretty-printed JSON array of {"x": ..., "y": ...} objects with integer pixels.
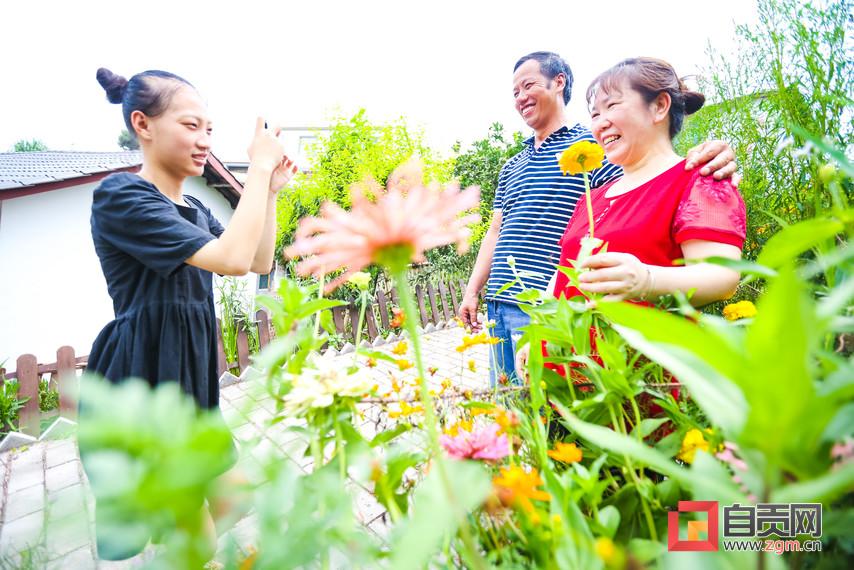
[
  {"x": 409, "y": 216},
  {"x": 481, "y": 443},
  {"x": 842, "y": 453}
]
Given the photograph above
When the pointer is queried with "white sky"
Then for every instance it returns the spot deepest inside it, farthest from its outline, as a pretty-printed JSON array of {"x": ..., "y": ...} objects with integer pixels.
[{"x": 445, "y": 65}]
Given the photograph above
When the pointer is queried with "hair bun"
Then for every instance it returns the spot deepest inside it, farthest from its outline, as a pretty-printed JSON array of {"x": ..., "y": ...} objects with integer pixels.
[
  {"x": 693, "y": 101},
  {"x": 113, "y": 84}
]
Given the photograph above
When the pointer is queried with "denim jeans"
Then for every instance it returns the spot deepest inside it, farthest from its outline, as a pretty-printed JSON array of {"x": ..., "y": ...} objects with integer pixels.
[{"x": 509, "y": 318}]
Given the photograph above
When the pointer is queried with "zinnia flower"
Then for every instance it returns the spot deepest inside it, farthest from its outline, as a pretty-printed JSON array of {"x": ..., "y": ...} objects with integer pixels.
[
  {"x": 398, "y": 318},
  {"x": 693, "y": 441},
  {"x": 483, "y": 443},
  {"x": 582, "y": 156},
  {"x": 517, "y": 487},
  {"x": 360, "y": 279},
  {"x": 407, "y": 219},
  {"x": 319, "y": 386},
  {"x": 740, "y": 310},
  {"x": 565, "y": 452},
  {"x": 474, "y": 340}
]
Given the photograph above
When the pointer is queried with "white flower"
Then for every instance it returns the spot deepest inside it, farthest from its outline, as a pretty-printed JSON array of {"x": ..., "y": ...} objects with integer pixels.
[{"x": 318, "y": 387}]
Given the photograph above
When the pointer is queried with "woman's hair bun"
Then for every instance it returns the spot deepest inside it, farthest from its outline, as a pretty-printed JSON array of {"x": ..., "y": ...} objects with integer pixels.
[
  {"x": 113, "y": 84},
  {"x": 693, "y": 101}
]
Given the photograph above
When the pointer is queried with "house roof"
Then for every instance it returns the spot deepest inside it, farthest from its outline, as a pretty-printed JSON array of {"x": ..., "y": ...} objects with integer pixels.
[{"x": 25, "y": 173}]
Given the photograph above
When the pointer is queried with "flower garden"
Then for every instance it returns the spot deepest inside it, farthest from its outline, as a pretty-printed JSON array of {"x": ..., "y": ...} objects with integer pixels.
[{"x": 585, "y": 464}]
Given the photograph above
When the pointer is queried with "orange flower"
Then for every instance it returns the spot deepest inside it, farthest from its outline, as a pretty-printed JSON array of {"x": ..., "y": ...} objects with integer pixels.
[
  {"x": 407, "y": 219},
  {"x": 565, "y": 452},
  {"x": 516, "y": 487},
  {"x": 432, "y": 370},
  {"x": 398, "y": 318},
  {"x": 371, "y": 363}
]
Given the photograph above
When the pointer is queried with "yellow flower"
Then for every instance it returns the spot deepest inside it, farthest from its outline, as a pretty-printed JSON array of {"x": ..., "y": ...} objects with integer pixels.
[
  {"x": 565, "y": 452},
  {"x": 517, "y": 487},
  {"x": 605, "y": 549},
  {"x": 400, "y": 348},
  {"x": 371, "y": 363},
  {"x": 583, "y": 156},
  {"x": 506, "y": 420},
  {"x": 480, "y": 338},
  {"x": 454, "y": 430},
  {"x": 403, "y": 364},
  {"x": 360, "y": 279},
  {"x": 740, "y": 310},
  {"x": 693, "y": 441},
  {"x": 432, "y": 370},
  {"x": 405, "y": 410},
  {"x": 472, "y": 365}
]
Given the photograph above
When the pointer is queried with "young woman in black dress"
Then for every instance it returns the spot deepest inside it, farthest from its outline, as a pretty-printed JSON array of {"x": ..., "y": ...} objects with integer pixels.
[{"x": 158, "y": 247}]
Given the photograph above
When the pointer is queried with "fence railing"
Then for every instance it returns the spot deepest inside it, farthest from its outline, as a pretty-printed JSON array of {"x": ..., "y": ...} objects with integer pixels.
[{"x": 436, "y": 303}]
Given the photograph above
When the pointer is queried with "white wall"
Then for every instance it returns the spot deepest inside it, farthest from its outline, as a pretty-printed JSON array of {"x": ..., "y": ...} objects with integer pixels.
[{"x": 52, "y": 291}]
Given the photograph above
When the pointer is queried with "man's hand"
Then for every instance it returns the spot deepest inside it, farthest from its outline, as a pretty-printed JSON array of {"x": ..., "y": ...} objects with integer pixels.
[
  {"x": 468, "y": 312},
  {"x": 716, "y": 158},
  {"x": 522, "y": 362}
]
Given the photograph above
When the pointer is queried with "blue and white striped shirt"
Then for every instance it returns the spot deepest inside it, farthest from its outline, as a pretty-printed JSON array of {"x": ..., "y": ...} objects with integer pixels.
[{"x": 536, "y": 201}]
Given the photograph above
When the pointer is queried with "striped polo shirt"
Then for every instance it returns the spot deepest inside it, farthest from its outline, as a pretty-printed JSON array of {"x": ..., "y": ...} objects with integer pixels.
[{"x": 536, "y": 201}]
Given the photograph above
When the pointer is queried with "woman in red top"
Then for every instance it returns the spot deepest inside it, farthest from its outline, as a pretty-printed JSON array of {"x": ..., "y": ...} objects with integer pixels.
[{"x": 657, "y": 212}]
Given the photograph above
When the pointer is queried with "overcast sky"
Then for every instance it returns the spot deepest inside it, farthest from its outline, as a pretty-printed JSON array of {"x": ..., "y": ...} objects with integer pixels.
[{"x": 445, "y": 65}]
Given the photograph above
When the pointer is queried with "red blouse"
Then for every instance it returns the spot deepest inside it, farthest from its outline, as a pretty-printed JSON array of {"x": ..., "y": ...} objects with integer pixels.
[{"x": 654, "y": 219}]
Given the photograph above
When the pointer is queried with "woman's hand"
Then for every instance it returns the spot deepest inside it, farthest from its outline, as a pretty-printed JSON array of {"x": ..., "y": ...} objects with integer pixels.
[
  {"x": 283, "y": 174},
  {"x": 522, "y": 362},
  {"x": 618, "y": 275},
  {"x": 266, "y": 151}
]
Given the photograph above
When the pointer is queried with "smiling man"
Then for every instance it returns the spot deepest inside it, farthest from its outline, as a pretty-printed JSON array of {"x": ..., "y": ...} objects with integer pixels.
[{"x": 534, "y": 201}]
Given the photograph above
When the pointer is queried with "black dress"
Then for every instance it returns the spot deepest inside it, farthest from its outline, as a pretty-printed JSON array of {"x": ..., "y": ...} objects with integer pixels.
[{"x": 165, "y": 325}]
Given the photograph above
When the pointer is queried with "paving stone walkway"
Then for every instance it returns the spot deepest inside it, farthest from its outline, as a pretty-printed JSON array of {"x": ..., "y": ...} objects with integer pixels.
[{"x": 46, "y": 512}]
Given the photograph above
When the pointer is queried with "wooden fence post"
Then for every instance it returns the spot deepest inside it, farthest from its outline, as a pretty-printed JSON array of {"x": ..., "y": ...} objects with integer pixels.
[
  {"x": 66, "y": 371},
  {"x": 434, "y": 310},
  {"x": 221, "y": 362},
  {"x": 28, "y": 382},
  {"x": 263, "y": 321},
  {"x": 419, "y": 295},
  {"x": 242, "y": 349},
  {"x": 382, "y": 304},
  {"x": 443, "y": 296}
]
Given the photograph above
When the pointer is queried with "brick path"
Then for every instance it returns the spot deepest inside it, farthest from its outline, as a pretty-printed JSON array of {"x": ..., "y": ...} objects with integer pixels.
[{"x": 46, "y": 511}]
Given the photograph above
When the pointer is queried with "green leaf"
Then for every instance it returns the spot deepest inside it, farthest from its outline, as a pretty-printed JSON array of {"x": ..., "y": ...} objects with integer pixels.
[
  {"x": 790, "y": 242},
  {"x": 648, "y": 426},
  {"x": 506, "y": 286},
  {"x": 609, "y": 519},
  {"x": 645, "y": 551},
  {"x": 619, "y": 444},
  {"x": 742, "y": 266},
  {"x": 777, "y": 382},
  {"x": 826, "y": 488},
  {"x": 436, "y": 514}
]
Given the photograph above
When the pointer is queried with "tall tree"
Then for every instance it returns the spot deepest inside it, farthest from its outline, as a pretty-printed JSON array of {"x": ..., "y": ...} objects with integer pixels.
[{"x": 127, "y": 141}]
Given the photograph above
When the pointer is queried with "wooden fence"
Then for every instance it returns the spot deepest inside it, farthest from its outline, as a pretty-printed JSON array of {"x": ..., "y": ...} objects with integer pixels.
[{"x": 436, "y": 303}]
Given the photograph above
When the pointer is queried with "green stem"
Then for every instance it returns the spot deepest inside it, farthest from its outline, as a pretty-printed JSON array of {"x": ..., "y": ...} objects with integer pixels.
[
  {"x": 645, "y": 506},
  {"x": 588, "y": 201},
  {"x": 474, "y": 558},
  {"x": 363, "y": 298}
]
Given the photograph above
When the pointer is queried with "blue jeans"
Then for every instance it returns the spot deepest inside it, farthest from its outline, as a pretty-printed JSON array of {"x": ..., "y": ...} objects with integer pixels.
[{"x": 509, "y": 318}]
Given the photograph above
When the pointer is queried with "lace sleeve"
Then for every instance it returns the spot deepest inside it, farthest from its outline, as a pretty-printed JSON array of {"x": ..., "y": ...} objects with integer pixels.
[{"x": 711, "y": 210}]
